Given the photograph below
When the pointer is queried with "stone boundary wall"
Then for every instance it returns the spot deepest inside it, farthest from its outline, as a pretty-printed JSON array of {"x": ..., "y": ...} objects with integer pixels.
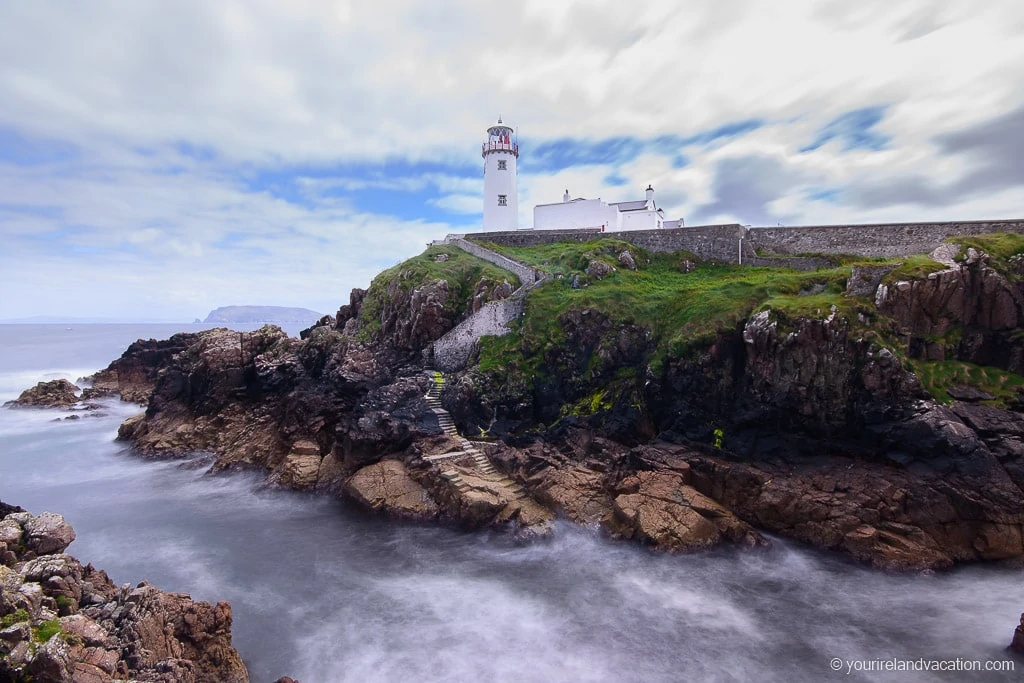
[
  {"x": 880, "y": 239},
  {"x": 526, "y": 274},
  {"x": 723, "y": 242},
  {"x": 531, "y": 238},
  {"x": 452, "y": 351},
  {"x": 802, "y": 263}
]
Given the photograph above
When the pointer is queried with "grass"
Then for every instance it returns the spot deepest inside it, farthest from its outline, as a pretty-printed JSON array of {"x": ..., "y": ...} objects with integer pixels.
[
  {"x": 937, "y": 376},
  {"x": 462, "y": 271},
  {"x": 15, "y": 617},
  {"x": 915, "y": 267},
  {"x": 1000, "y": 247},
  {"x": 680, "y": 310},
  {"x": 45, "y": 630}
]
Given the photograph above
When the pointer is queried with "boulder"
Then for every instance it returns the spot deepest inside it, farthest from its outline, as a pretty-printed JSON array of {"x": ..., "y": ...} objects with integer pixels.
[
  {"x": 48, "y": 533},
  {"x": 599, "y": 270},
  {"x": 660, "y": 509},
  {"x": 626, "y": 260},
  {"x": 58, "y": 393},
  {"x": 386, "y": 486}
]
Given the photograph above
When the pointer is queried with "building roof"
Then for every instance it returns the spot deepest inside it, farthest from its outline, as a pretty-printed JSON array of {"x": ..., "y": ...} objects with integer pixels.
[{"x": 640, "y": 205}]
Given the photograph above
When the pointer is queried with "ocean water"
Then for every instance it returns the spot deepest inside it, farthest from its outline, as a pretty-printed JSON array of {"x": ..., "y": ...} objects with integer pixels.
[{"x": 323, "y": 592}]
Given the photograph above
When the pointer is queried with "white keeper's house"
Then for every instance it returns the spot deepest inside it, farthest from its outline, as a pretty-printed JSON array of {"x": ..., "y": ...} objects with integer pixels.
[
  {"x": 501, "y": 201},
  {"x": 580, "y": 213}
]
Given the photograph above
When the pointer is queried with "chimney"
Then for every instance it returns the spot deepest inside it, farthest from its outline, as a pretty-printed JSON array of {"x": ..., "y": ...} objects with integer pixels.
[
  {"x": 565, "y": 197},
  {"x": 650, "y": 196}
]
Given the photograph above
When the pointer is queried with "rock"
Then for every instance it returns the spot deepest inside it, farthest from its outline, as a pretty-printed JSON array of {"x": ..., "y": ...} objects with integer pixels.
[
  {"x": 300, "y": 471},
  {"x": 599, "y": 270},
  {"x": 48, "y": 533},
  {"x": 970, "y": 394},
  {"x": 864, "y": 280},
  {"x": 660, "y": 509},
  {"x": 58, "y": 393},
  {"x": 441, "y": 258},
  {"x": 687, "y": 265},
  {"x": 106, "y": 632},
  {"x": 1017, "y": 645},
  {"x": 133, "y": 375},
  {"x": 387, "y": 487},
  {"x": 626, "y": 260}
]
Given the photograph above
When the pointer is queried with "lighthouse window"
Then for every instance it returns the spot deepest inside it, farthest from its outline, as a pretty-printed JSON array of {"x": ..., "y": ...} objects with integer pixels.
[
  {"x": 502, "y": 200},
  {"x": 501, "y": 165}
]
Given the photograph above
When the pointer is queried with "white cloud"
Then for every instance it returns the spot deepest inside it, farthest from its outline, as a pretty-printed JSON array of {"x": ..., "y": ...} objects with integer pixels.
[{"x": 175, "y": 109}]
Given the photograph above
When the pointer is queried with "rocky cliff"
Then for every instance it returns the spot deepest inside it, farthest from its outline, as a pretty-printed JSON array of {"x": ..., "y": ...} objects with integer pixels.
[
  {"x": 676, "y": 403},
  {"x": 61, "y": 622}
]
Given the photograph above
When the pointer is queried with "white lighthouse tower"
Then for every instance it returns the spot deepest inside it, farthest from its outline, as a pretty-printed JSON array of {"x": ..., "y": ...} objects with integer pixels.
[{"x": 501, "y": 203}]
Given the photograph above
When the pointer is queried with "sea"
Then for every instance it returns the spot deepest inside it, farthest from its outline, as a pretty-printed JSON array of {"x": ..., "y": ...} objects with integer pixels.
[{"x": 323, "y": 592}]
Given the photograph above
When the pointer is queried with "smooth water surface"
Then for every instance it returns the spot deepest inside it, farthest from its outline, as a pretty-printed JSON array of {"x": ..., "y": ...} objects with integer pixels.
[{"x": 325, "y": 593}]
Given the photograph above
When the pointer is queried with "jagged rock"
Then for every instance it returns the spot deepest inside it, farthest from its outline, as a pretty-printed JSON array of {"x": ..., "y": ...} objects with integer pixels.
[
  {"x": 105, "y": 633},
  {"x": 626, "y": 260},
  {"x": 970, "y": 394},
  {"x": 300, "y": 471},
  {"x": 133, "y": 375},
  {"x": 387, "y": 487},
  {"x": 58, "y": 393}
]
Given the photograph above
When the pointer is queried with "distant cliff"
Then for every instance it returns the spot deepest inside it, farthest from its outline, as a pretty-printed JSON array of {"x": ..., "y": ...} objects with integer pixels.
[{"x": 262, "y": 314}]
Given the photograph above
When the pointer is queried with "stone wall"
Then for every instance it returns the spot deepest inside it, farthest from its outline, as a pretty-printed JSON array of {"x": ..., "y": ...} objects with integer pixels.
[
  {"x": 882, "y": 239},
  {"x": 526, "y": 274},
  {"x": 452, "y": 351},
  {"x": 761, "y": 244},
  {"x": 531, "y": 238}
]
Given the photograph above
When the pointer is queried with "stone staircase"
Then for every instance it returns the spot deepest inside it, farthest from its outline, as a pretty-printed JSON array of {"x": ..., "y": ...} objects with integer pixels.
[
  {"x": 445, "y": 461},
  {"x": 452, "y": 351}
]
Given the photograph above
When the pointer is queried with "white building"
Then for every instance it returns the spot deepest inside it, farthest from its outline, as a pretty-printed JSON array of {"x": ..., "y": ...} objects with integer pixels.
[
  {"x": 580, "y": 213},
  {"x": 501, "y": 202}
]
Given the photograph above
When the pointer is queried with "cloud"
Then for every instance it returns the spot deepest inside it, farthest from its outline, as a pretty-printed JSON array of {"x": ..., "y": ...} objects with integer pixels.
[{"x": 287, "y": 151}]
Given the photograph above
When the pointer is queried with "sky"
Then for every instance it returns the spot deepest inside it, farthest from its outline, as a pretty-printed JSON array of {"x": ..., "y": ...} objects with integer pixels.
[{"x": 160, "y": 159}]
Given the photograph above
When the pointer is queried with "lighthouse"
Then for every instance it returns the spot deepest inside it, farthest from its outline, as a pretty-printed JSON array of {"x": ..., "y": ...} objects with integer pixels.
[{"x": 501, "y": 203}]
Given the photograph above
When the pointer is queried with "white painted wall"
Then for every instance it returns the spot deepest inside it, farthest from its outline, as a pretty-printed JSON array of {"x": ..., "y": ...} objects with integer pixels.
[
  {"x": 575, "y": 215},
  {"x": 640, "y": 220}
]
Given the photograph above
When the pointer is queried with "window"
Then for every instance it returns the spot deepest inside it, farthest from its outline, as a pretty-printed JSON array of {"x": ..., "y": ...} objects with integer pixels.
[
  {"x": 502, "y": 200},
  {"x": 501, "y": 165}
]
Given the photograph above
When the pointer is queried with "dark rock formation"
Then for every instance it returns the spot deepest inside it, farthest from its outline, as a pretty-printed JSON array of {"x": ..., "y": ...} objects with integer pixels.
[
  {"x": 970, "y": 312},
  {"x": 133, "y": 375},
  {"x": 58, "y": 393},
  {"x": 807, "y": 426},
  {"x": 65, "y": 623},
  {"x": 1017, "y": 645}
]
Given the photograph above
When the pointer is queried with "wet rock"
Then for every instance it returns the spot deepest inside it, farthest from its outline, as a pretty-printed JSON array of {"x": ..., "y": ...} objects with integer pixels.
[
  {"x": 58, "y": 393},
  {"x": 387, "y": 487},
  {"x": 660, "y": 509}
]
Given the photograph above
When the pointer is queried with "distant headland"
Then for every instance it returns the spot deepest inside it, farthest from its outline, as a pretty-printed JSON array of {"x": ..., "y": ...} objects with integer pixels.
[{"x": 262, "y": 314}]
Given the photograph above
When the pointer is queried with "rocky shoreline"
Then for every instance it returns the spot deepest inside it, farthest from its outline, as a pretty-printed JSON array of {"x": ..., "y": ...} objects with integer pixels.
[
  {"x": 61, "y": 622},
  {"x": 831, "y": 440}
]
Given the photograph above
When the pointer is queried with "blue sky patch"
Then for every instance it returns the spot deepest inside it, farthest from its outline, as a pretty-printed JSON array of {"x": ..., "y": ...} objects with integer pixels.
[
  {"x": 854, "y": 129},
  {"x": 23, "y": 150}
]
